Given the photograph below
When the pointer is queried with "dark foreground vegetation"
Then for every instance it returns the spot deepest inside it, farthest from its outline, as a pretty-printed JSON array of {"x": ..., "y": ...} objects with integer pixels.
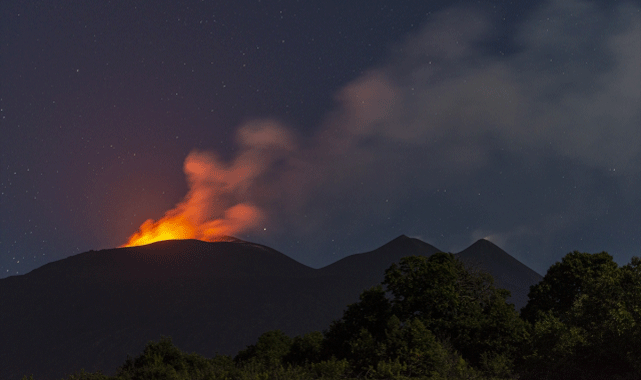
[{"x": 433, "y": 318}]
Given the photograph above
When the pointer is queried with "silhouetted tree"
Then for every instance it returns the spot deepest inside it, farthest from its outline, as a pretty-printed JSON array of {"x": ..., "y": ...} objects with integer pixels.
[
  {"x": 456, "y": 304},
  {"x": 269, "y": 351},
  {"x": 306, "y": 349},
  {"x": 163, "y": 360},
  {"x": 586, "y": 317},
  {"x": 428, "y": 300}
]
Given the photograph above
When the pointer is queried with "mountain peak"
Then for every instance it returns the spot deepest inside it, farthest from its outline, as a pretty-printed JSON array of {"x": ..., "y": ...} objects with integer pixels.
[
  {"x": 485, "y": 250},
  {"x": 171, "y": 242},
  {"x": 484, "y": 243},
  {"x": 403, "y": 240},
  {"x": 508, "y": 272},
  {"x": 375, "y": 262},
  {"x": 399, "y": 239}
]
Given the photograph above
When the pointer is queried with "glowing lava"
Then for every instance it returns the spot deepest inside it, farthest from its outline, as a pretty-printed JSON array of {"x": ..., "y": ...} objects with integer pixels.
[
  {"x": 165, "y": 229},
  {"x": 217, "y": 205},
  {"x": 213, "y": 209},
  {"x": 179, "y": 224}
]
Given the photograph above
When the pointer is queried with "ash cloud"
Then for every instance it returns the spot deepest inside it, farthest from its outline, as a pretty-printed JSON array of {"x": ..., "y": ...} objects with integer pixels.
[{"x": 520, "y": 148}]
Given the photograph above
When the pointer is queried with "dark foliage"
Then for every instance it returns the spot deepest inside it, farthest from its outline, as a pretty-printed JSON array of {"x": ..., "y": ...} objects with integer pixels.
[
  {"x": 427, "y": 301},
  {"x": 586, "y": 320},
  {"x": 433, "y": 318}
]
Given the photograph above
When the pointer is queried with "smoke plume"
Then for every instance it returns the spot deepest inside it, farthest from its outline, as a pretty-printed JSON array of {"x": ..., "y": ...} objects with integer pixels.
[
  {"x": 426, "y": 130},
  {"x": 218, "y": 203}
]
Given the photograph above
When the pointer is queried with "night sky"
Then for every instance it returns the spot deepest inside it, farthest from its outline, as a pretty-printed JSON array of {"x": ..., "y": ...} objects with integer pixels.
[{"x": 322, "y": 128}]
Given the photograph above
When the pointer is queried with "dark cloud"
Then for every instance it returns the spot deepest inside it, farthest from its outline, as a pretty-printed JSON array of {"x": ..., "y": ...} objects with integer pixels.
[{"x": 455, "y": 144}]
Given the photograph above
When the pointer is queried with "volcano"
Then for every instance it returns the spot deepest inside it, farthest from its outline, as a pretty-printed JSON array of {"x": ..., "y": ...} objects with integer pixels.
[{"x": 92, "y": 309}]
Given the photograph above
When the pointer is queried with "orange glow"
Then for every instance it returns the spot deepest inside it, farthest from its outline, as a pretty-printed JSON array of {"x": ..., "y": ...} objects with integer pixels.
[
  {"x": 211, "y": 209},
  {"x": 164, "y": 229},
  {"x": 176, "y": 224}
]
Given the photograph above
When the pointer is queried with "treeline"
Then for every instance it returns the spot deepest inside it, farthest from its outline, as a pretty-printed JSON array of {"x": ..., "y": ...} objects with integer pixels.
[{"x": 433, "y": 318}]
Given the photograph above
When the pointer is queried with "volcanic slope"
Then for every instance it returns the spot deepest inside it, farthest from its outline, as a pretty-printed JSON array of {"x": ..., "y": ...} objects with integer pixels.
[
  {"x": 508, "y": 272},
  {"x": 92, "y": 309}
]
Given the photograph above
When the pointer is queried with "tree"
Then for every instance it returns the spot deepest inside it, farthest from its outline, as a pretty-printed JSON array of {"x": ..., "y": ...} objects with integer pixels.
[
  {"x": 163, "y": 360},
  {"x": 354, "y": 336},
  {"x": 427, "y": 301},
  {"x": 585, "y": 315},
  {"x": 83, "y": 375},
  {"x": 415, "y": 347},
  {"x": 269, "y": 351},
  {"x": 305, "y": 349},
  {"x": 456, "y": 304},
  {"x": 631, "y": 284},
  {"x": 565, "y": 282}
]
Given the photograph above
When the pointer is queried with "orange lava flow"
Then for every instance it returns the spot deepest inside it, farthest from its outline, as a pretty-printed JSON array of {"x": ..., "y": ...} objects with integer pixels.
[
  {"x": 165, "y": 229},
  {"x": 212, "y": 209},
  {"x": 177, "y": 225}
]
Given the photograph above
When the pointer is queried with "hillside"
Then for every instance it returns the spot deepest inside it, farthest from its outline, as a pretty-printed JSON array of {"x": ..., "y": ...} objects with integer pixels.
[{"x": 92, "y": 309}]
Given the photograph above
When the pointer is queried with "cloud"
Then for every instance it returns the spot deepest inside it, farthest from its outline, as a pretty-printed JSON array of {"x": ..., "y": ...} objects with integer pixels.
[
  {"x": 566, "y": 91},
  {"x": 547, "y": 122},
  {"x": 450, "y": 137},
  {"x": 581, "y": 76}
]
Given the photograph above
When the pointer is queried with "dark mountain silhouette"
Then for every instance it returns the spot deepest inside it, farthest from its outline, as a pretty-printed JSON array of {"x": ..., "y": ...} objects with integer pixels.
[
  {"x": 92, "y": 309},
  {"x": 353, "y": 274},
  {"x": 508, "y": 272},
  {"x": 373, "y": 264}
]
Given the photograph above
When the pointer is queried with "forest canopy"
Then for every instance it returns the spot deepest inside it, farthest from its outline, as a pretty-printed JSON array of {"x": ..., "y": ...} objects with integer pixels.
[{"x": 434, "y": 318}]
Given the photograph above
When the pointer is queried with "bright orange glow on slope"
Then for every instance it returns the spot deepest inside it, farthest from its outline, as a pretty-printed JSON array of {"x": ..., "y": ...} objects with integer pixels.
[
  {"x": 177, "y": 225},
  {"x": 212, "y": 208},
  {"x": 165, "y": 229}
]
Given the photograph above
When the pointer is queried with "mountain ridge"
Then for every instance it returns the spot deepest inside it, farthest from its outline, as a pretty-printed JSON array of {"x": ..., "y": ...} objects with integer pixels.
[
  {"x": 386, "y": 254},
  {"x": 503, "y": 267},
  {"x": 92, "y": 309}
]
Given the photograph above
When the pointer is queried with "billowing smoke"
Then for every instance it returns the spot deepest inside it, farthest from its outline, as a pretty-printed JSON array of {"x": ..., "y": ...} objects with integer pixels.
[
  {"x": 447, "y": 112},
  {"x": 427, "y": 129},
  {"x": 218, "y": 203}
]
